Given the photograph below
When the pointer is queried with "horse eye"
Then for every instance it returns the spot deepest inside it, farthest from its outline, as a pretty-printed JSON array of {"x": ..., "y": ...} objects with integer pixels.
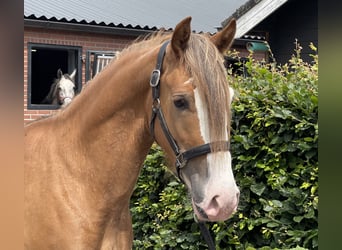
[{"x": 181, "y": 103}]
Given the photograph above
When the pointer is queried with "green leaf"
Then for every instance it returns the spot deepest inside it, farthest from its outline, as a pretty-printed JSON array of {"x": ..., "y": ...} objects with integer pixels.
[
  {"x": 277, "y": 203},
  {"x": 276, "y": 140},
  {"x": 272, "y": 224},
  {"x": 258, "y": 188},
  {"x": 268, "y": 208},
  {"x": 297, "y": 218}
]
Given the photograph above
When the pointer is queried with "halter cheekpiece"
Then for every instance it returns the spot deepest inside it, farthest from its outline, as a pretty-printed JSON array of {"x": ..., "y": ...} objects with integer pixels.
[{"x": 182, "y": 158}]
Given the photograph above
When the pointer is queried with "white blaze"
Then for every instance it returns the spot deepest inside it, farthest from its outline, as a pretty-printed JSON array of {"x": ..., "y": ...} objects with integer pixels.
[
  {"x": 202, "y": 113},
  {"x": 221, "y": 179}
]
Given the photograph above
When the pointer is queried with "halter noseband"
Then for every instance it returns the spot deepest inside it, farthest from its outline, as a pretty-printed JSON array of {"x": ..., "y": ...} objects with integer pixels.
[{"x": 182, "y": 158}]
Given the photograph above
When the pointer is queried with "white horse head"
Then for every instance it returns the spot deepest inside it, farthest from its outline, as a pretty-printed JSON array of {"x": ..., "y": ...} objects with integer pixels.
[{"x": 62, "y": 91}]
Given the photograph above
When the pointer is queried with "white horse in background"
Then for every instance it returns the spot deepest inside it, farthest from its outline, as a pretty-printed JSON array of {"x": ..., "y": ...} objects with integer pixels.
[{"x": 62, "y": 91}]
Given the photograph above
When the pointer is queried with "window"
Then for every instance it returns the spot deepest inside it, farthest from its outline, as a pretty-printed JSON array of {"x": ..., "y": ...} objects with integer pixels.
[
  {"x": 96, "y": 61},
  {"x": 43, "y": 62}
]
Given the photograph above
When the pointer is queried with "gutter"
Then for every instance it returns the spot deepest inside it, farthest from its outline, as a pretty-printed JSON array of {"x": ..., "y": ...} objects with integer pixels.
[{"x": 101, "y": 29}]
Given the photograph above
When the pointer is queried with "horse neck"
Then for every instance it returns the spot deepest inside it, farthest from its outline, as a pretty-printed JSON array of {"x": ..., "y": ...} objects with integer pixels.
[{"x": 110, "y": 118}]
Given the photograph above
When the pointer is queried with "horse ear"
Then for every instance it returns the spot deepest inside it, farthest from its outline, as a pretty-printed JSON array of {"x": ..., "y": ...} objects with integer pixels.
[
  {"x": 59, "y": 73},
  {"x": 181, "y": 36},
  {"x": 224, "y": 39},
  {"x": 73, "y": 74}
]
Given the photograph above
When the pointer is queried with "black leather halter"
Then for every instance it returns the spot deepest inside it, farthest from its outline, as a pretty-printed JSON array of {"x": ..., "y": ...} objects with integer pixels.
[{"x": 182, "y": 158}]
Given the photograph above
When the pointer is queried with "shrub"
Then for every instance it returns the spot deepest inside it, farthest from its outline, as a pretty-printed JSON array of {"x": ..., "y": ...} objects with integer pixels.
[{"x": 274, "y": 149}]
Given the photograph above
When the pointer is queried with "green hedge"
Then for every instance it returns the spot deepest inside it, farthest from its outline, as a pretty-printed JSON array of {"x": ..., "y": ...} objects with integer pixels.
[{"x": 275, "y": 163}]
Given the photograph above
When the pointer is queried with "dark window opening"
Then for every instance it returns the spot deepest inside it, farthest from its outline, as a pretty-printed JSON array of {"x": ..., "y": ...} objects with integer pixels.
[{"x": 43, "y": 63}]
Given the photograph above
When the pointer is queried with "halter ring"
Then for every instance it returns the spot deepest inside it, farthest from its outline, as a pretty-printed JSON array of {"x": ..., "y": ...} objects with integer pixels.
[{"x": 155, "y": 77}]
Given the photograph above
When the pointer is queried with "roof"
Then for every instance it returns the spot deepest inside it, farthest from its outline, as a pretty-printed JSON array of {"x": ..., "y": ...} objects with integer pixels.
[
  {"x": 208, "y": 16},
  {"x": 149, "y": 14},
  {"x": 251, "y": 13}
]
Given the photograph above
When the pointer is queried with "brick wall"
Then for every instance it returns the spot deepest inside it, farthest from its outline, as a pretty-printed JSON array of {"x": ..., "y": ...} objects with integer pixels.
[{"x": 88, "y": 41}]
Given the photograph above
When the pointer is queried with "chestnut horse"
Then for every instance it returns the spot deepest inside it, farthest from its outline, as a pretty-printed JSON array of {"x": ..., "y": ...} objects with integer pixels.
[{"x": 81, "y": 164}]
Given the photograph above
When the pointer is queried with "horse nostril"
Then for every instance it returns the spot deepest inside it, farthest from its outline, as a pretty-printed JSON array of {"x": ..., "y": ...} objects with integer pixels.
[{"x": 215, "y": 201}]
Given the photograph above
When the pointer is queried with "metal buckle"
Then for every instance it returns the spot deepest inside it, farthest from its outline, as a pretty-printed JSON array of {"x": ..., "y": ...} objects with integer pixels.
[
  {"x": 180, "y": 162},
  {"x": 155, "y": 105},
  {"x": 155, "y": 77}
]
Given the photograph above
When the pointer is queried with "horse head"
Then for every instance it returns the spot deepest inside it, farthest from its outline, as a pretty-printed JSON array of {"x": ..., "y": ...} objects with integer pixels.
[
  {"x": 65, "y": 87},
  {"x": 195, "y": 98}
]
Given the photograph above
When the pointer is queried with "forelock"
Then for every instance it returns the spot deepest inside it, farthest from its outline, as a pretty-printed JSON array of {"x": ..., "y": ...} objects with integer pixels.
[{"x": 205, "y": 64}]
